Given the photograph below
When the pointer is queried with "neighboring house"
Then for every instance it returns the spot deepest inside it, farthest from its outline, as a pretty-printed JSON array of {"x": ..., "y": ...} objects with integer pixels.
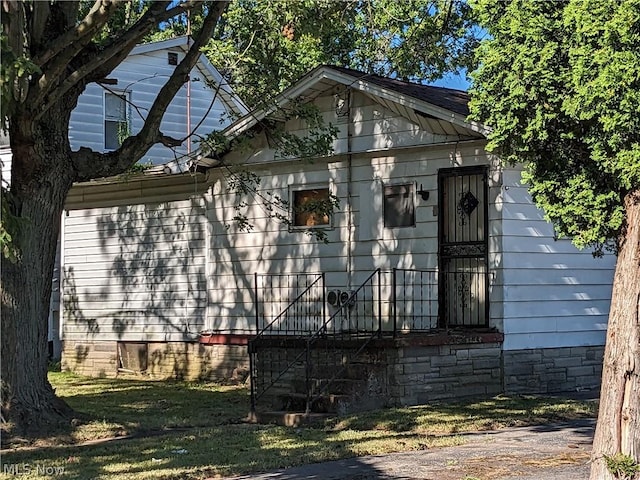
[
  {"x": 438, "y": 268},
  {"x": 106, "y": 113}
]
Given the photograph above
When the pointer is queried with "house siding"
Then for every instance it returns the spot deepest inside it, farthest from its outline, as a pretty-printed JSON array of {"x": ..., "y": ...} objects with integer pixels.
[
  {"x": 135, "y": 271},
  {"x": 358, "y": 243},
  {"x": 5, "y": 167},
  {"x": 555, "y": 295},
  {"x": 143, "y": 75}
]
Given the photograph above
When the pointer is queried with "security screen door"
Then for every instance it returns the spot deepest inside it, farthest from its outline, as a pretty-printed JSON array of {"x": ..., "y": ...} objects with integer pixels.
[{"x": 463, "y": 225}]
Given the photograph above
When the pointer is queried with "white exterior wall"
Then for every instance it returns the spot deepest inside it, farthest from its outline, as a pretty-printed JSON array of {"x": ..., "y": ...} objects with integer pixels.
[
  {"x": 143, "y": 75},
  {"x": 386, "y": 149},
  {"x": 5, "y": 167},
  {"x": 134, "y": 270},
  {"x": 359, "y": 245},
  {"x": 138, "y": 277},
  {"x": 554, "y": 294}
]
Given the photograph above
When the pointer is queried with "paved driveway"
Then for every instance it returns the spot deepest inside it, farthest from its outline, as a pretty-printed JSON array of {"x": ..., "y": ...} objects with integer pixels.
[{"x": 549, "y": 452}]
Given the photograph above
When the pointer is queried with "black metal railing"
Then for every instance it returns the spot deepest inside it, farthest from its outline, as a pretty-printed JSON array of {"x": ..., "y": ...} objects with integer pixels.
[
  {"x": 359, "y": 314},
  {"x": 414, "y": 300},
  {"x": 309, "y": 303},
  {"x": 289, "y": 304}
]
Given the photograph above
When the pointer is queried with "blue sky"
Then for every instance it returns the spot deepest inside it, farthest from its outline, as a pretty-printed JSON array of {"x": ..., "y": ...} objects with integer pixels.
[{"x": 457, "y": 81}]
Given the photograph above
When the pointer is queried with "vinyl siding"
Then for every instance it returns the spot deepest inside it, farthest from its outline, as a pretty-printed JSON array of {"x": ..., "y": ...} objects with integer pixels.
[
  {"x": 554, "y": 294},
  {"x": 135, "y": 272},
  {"x": 143, "y": 75},
  {"x": 5, "y": 166}
]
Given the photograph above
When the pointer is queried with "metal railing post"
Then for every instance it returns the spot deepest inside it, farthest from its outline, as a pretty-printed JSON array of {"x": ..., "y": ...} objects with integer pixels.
[
  {"x": 379, "y": 304},
  {"x": 394, "y": 300},
  {"x": 255, "y": 301},
  {"x": 308, "y": 378},
  {"x": 324, "y": 305},
  {"x": 252, "y": 381}
]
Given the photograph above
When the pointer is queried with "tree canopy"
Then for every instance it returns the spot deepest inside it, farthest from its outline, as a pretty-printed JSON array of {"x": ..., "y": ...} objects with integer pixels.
[
  {"x": 264, "y": 46},
  {"x": 559, "y": 84}
]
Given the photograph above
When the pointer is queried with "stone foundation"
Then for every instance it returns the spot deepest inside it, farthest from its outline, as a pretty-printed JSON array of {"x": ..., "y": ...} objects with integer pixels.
[
  {"x": 423, "y": 373},
  {"x": 410, "y": 370},
  {"x": 553, "y": 370},
  {"x": 164, "y": 360}
]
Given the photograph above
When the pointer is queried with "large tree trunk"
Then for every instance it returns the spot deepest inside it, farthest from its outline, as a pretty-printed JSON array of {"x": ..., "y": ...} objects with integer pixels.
[
  {"x": 618, "y": 429},
  {"x": 40, "y": 180}
]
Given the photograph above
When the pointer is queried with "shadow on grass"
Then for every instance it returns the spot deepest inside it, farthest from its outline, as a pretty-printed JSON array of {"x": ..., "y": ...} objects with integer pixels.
[
  {"x": 479, "y": 414},
  {"x": 116, "y": 407},
  {"x": 212, "y": 451},
  {"x": 140, "y": 405},
  {"x": 215, "y": 443}
]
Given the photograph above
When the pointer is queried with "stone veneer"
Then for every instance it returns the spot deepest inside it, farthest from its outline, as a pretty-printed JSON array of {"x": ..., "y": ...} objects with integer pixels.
[
  {"x": 217, "y": 359},
  {"x": 423, "y": 373},
  {"x": 553, "y": 370},
  {"x": 411, "y": 370}
]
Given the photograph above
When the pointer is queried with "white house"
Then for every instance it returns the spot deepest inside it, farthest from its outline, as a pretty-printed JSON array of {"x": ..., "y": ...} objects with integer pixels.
[
  {"x": 109, "y": 111},
  {"x": 436, "y": 257}
]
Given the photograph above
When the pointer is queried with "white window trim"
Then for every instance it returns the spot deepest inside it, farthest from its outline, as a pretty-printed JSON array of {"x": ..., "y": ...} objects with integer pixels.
[
  {"x": 123, "y": 93},
  {"x": 304, "y": 187}
]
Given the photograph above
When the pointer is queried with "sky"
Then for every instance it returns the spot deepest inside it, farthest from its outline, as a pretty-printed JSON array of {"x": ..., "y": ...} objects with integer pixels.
[{"x": 457, "y": 81}]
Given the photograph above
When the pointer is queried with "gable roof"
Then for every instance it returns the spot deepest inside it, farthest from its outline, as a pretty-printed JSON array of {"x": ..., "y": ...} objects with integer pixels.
[
  {"x": 455, "y": 100},
  {"x": 211, "y": 73},
  {"x": 437, "y": 103}
]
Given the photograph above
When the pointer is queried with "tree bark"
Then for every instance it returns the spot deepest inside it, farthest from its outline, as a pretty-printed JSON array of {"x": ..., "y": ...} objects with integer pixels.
[
  {"x": 618, "y": 428},
  {"x": 41, "y": 178}
]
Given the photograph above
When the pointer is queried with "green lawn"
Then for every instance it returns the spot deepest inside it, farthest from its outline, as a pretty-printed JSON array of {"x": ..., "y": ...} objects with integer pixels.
[{"x": 195, "y": 430}]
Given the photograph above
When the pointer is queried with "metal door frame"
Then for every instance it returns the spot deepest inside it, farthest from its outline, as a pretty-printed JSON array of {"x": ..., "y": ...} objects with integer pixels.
[{"x": 443, "y": 174}]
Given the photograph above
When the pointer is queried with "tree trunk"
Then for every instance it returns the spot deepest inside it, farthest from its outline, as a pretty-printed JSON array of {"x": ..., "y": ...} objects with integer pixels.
[
  {"x": 618, "y": 429},
  {"x": 41, "y": 177}
]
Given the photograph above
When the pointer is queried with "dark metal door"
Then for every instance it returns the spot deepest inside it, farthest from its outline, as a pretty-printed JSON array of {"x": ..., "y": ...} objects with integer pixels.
[{"x": 463, "y": 246}]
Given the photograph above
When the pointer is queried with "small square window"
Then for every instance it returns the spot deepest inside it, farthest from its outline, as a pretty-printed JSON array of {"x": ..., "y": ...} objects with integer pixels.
[
  {"x": 311, "y": 208},
  {"x": 399, "y": 206},
  {"x": 116, "y": 124},
  {"x": 172, "y": 58}
]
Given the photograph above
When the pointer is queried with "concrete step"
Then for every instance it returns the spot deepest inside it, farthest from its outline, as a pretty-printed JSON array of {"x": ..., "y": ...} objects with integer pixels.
[
  {"x": 288, "y": 419},
  {"x": 338, "y": 386},
  {"x": 328, "y": 403}
]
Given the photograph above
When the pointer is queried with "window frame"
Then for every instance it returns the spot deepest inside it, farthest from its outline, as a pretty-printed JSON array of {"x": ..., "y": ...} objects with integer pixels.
[
  {"x": 126, "y": 95},
  {"x": 293, "y": 190},
  {"x": 412, "y": 196}
]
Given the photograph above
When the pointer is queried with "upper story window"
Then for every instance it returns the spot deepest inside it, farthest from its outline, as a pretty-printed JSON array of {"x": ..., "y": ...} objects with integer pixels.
[
  {"x": 116, "y": 120},
  {"x": 399, "y": 205},
  {"x": 311, "y": 207}
]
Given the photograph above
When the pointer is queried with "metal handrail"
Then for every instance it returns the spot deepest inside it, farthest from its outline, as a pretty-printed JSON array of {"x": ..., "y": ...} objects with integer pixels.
[
  {"x": 310, "y": 340},
  {"x": 261, "y": 333},
  {"x": 291, "y": 304}
]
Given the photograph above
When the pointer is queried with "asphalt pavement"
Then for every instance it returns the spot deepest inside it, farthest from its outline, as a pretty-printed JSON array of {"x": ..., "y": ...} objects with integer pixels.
[{"x": 544, "y": 452}]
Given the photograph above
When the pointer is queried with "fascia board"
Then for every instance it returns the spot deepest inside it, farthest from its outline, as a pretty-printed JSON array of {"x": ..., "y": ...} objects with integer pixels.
[
  {"x": 295, "y": 91},
  {"x": 420, "y": 105},
  {"x": 327, "y": 73}
]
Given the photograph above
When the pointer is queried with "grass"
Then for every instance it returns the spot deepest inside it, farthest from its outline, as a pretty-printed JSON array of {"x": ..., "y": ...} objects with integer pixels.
[{"x": 187, "y": 430}]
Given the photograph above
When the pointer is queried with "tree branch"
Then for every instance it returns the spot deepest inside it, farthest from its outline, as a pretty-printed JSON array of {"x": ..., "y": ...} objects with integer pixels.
[
  {"x": 95, "y": 65},
  {"x": 39, "y": 17},
  {"x": 90, "y": 164},
  {"x": 66, "y": 46}
]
